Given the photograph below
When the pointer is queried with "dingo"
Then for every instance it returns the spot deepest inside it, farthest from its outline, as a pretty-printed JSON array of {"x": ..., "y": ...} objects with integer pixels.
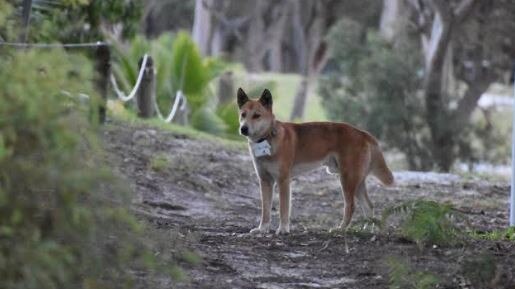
[{"x": 281, "y": 150}]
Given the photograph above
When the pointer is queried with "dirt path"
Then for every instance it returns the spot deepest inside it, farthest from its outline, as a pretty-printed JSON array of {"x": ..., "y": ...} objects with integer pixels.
[{"x": 209, "y": 194}]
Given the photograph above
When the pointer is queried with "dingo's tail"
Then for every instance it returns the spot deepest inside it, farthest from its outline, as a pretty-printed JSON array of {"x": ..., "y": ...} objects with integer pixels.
[{"x": 379, "y": 168}]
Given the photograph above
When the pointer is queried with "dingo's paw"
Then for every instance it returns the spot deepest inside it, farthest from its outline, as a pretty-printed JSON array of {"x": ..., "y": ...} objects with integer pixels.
[
  {"x": 262, "y": 229},
  {"x": 283, "y": 230}
]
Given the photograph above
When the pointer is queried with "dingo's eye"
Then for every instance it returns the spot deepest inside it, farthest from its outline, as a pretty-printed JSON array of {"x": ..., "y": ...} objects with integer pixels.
[
  {"x": 243, "y": 115},
  {"x": 256, "y": 116}
]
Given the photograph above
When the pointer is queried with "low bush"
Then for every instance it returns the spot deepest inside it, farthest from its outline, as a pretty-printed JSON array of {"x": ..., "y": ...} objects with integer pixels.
[
  {"x": 64, "y": 221},
  {"x": 427, "y": 222}
]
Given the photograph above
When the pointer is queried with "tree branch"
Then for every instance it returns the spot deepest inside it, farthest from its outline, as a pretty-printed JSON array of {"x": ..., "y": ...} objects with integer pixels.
[
  {"x": 442, "y": 8},
  {"x": 468, "y": 102},
  {"x": 232, "y": 25},
  {"x": 438, "y": 41},
  {"x": 463, "y": 9}
]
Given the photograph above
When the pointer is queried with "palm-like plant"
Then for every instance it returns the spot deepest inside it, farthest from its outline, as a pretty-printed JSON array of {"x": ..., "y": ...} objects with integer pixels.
[{"x": 179, "y": 66}]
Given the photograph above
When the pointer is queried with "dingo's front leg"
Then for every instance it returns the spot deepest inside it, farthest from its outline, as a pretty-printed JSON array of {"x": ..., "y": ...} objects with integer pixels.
[{"x": 267, "y": 188}]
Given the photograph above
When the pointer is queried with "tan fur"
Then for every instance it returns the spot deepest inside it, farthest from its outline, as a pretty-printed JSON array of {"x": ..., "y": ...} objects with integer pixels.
[{"x": 344, "y": 149}]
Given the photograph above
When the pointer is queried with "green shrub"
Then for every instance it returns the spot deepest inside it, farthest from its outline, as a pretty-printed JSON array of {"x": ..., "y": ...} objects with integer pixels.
[
  {"x": 81, "y": 20},
  {"x": 229, "y": 114},
  {"x": 63, "y": 221},
  {"x": 205, "y": 119},
  {"x": 8, "y": 23},
  {"x": 403, "y": 277},
  {"x": 427, "y": 222}
]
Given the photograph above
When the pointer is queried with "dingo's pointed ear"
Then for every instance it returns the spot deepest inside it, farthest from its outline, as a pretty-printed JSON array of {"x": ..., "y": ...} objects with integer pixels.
[
  {"x": 242, "y": 97},
  {"x": 266, "y": 99}
]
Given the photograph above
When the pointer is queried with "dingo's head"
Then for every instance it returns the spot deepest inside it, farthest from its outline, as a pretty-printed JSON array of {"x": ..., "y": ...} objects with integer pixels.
[{"x": 256, "y": 117}]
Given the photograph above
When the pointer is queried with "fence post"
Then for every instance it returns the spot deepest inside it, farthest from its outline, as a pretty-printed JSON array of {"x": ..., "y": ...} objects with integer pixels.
[
  {"x": 103, "y": 68},
  {"x": 146, "y": 93},
  {"x": 512, "y": 189}
]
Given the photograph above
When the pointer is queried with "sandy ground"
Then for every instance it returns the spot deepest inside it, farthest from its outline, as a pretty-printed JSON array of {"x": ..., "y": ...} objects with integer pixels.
[{"x": 208, "y": 195}]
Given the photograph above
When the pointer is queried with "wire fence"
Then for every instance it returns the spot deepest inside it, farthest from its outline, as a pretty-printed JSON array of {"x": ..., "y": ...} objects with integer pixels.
[
  {"x": 179, "y": 103},
  {"x": 54, "y": 45}
]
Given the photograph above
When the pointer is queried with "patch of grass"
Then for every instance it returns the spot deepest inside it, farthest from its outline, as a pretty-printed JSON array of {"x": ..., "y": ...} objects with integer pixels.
[
  {"x": 188, "y": 132},
  {"x": 159, "y": 162},
  {"x": 401, "y": 276},
  {"x": 427, "y": 222},
  {"x": 365, "y": 226},
  {"x": 191, "y": 257},
  {"x": 177, "y": 273},
  {"x": 496, "y": 235}
]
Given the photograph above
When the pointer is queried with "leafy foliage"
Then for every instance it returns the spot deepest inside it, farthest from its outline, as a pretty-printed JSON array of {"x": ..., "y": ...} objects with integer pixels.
[
  {"x": 377, "y": 86},
  {"x": 82, "y": 20},
  {"x": 402, "y": 277},
  {"x": 427, "y": 222},
  {"x": 7, "y": 22},
  {"x": 205, "y": 119},
  {"x": 63, "y": 221},
  {"x": 189, "y": 71},
  {"x": 228, "y": 113}
]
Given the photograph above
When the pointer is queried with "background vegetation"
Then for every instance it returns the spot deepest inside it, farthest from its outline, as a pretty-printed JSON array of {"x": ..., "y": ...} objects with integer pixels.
[{"x": 65, "y": 222}]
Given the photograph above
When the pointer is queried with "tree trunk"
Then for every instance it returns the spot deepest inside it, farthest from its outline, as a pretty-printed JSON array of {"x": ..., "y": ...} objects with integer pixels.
[
  {"x": 445, "y": 124},
  {"x": 299, "y": 103},
  {"x": 266, "y": 31},
  {"x": 255, "y": 48},
  {"x": 202, "y": 26},
  {"x": 389, "y": 26},
  {"x": 26, "y": 11},
  {"x": 309, "y": 27},
  {"x": 275, "y": 61},
  {"x": 438, "y": 117},
  {"x": 437, "y": 112}
]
